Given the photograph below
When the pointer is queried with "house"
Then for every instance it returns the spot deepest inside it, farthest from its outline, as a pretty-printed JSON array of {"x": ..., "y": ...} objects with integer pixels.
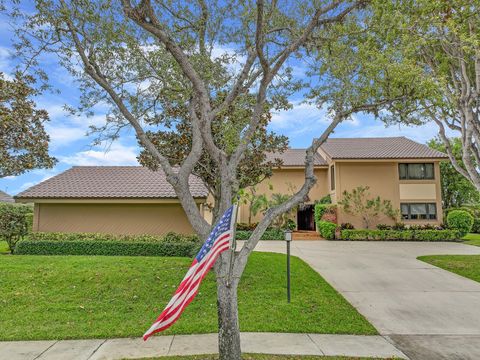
[
  {"x": 136, "y": 200},
  {"x": 5, "y": 198},
  {"x": 110, "y": 199}
]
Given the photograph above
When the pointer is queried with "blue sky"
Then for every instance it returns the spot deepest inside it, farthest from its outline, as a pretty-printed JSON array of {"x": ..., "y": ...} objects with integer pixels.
[{"x": 71, "y": 146}]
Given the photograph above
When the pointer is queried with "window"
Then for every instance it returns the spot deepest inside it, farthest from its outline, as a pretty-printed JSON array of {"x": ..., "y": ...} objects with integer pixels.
[
  {"x": 419, "y": 211},
  {"x": 332, "y": 177},
  {"x": 416, "y": 171}
]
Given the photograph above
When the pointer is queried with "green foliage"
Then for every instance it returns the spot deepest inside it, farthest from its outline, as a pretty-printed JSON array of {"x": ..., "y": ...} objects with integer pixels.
[
  {"x": 106, "y": 248},
  {"x": 359, "y": 203},
  {"x": 171, "y": 244},
  {"x": 15, "y": 223},
  {"x": 456, "y": 189},
  {"x": 327, "y": 199},
  {"x": 472, "y": 209},
  {"x": 400, "y": 235},
  {"x": 327, "y": 229},
  {"x": 321, "y": 210},
  {"x": 282, "y": 220},
  {"x": 23, "y": 139},
  {"x": 460, "y": 220},
  {"x": 269, "y": 234}
]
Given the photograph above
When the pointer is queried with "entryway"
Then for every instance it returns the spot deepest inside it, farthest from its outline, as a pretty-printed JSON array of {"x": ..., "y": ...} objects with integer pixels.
[{"x": 305, "y": 217}]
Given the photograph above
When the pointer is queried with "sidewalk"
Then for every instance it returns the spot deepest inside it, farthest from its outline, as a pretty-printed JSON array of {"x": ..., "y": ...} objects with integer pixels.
[{"x": 266, "y": 343}]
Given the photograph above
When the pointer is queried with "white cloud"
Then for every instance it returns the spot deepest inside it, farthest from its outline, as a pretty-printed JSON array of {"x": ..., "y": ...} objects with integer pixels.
[
  {"x": 116, "y": 154},
  {"x": 301, "y": 115}
]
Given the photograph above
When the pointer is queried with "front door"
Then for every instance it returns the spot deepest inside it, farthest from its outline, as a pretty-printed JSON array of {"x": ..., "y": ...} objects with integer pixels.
[{"x": 305, "y": 218}]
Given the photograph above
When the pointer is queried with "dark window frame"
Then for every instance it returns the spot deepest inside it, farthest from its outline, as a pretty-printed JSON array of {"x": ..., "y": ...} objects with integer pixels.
[
  {"x": 408, "y": 176},
  {"x": 428, "y": 215},
  {"x": 332, "y": 177}
]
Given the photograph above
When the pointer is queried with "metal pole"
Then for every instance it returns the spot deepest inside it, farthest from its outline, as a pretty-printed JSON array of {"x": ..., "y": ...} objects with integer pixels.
[{"x": 288, "y": 271}]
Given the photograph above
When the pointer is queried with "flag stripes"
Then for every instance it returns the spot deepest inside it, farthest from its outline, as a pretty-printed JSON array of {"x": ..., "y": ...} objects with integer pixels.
[{"x": 217, "y": 242}]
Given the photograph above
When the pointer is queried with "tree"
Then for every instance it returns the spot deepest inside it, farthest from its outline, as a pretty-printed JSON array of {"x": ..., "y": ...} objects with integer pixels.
[
  {"x": 359, "y": 203},
  {"x": 176, "y": 143},
  {"x": 154, "y": 63},
  {"x": 434, "y": 46},
  {"x": 23, "y": 140},
  {"x": 456, "y": 189}
]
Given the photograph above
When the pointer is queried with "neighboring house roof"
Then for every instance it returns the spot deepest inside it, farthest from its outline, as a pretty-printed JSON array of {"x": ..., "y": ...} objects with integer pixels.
[
  {"x": 109, "y": 182},
  {"x": 4, "y": 197},
  {"x": 295, "y": 157},
  {"x": 379, "y": 148}
]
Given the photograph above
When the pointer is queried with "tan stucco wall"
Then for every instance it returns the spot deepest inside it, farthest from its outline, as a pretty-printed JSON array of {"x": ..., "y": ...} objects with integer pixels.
[
  {"x": 286, "y": 181},
  {"x": 111, "y": 218},
  {"x": 383, "y": 179}
]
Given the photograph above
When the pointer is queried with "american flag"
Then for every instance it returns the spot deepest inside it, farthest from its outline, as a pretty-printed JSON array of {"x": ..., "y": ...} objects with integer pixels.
[{"x": 217, "y": 242}]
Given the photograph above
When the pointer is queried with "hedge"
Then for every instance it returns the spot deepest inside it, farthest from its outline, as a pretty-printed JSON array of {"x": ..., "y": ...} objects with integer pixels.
[
  {"x": 401, "y": 235},
  {"x": 272, "y": 234},
  {"x": 108, "y": 248},
  {"x": 327, "y": 229},
  {"x": 460, "y": 220},
  {"x": 171, "y": 244},
  {"x": 170, "y": 237}
]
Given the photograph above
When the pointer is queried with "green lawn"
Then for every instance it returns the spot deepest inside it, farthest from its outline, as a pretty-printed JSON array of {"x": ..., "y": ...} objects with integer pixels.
[
  {"x": 472, "y": 239},
  {"x": 464, "y": 265},
  {"x": 73, "y": 297},
  {"x": 260, "y": 357},
  {"x": 4, "y": 248}
]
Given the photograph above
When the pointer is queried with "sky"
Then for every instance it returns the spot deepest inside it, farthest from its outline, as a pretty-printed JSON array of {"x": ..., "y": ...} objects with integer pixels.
[{"x": 72, "y": 147}]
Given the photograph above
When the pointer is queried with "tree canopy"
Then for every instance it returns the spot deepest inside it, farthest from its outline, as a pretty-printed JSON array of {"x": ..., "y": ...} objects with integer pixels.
[
  {"x": 456, "y": 189},
  {"x": 23, "y": 139}
]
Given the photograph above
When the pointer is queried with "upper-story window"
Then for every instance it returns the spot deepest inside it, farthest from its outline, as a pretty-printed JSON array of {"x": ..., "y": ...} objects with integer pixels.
[
  {"x": 332, "y": 177},
  {"x": 416, "y": 171}
]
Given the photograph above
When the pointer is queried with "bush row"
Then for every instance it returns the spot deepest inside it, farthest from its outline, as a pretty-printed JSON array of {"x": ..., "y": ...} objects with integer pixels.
[
  {"x": 172, "y": 244},
  {"x": 401, "y": 235},
  {"x": 108, "y": 248},
  {"x": 170, "y": 237},
  {"x": 271, "y": 234}
]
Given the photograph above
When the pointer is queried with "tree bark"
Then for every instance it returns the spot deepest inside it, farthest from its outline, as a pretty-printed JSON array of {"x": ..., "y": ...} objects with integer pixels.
[{"x": 228, "y": 327}]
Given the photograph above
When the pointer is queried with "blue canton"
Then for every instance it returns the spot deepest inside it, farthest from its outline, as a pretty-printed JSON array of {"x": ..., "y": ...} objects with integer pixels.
[{"x": 222, "y": 226}]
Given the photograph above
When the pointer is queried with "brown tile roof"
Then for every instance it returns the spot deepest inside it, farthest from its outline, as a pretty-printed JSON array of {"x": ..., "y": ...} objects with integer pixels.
[
  {"x": 109, "y": 182},
  {"x": 295, "y": 157},
  {"x": 4, "y": 197},
  {"x": 379, "y": 148}
]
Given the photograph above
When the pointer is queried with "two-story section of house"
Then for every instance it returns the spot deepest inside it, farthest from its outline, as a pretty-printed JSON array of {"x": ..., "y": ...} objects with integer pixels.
[{"x": 397, "y": 169}]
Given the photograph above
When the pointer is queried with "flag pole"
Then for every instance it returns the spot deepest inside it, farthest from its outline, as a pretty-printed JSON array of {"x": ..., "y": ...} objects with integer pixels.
[{"x": 233, "y": 246}]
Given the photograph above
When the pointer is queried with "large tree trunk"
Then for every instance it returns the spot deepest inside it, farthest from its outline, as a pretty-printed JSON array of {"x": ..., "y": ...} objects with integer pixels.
[{"x": 228, "y": 327}]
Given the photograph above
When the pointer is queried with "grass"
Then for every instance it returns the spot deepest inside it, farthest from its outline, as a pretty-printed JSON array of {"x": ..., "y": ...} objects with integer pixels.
[
  {"x": 260, "y": 357},
  {"x": 472, "y": 239},
  {"x": 464, "y": 265},
  {"x": 4, "y": 249},
  {"x": 76, "y": 297}
]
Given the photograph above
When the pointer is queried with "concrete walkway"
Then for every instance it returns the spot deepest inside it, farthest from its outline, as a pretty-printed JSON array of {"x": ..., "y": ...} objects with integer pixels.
[
  {"x": 428, "y": 312},
  {"x": 264, "y": 343}
]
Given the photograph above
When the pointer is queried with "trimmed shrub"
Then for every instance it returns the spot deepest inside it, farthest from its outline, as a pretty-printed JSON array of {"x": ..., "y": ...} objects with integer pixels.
[
  {"x": 327, "y": 229},
  {"x": 170, "y": 237},
  {"x": 327, "y": 199},
  {"x": 460, "y": 220},
  {"x": 172, "y": 244},
  {"x": 107, "y": 248},
  {"x": 472, "y": 209},
  {"x": 15, "y": 222},
  {"x": 400, "y": 235},
  {"x": 269, "y": 234},
  {"x": 347, "y": 226}
]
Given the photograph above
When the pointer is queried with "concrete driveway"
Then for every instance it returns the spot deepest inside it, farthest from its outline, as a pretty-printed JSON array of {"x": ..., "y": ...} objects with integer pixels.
[{"x": 428, "y": 312}]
